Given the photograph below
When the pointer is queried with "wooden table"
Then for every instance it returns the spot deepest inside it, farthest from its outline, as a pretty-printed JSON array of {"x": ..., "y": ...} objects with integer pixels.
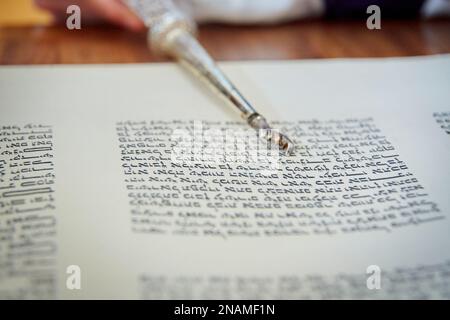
[{"x": 308, "y": 39}]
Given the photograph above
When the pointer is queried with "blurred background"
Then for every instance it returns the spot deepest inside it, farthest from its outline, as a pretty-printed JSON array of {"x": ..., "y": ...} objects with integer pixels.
[
  {"x": 27, "y": 36},
  {"x": 22, "y": 13}
]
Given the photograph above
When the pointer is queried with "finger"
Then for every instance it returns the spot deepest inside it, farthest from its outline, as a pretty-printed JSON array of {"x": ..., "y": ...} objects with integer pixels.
[
  {"x": 61, "y": 5},
  {"x": 113, "y": 11},
  {"x": 58, "y": 8},
  {"x": 116, "y": 12}
]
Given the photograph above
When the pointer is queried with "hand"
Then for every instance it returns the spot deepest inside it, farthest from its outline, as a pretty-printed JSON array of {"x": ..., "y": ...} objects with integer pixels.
[{"x": 92, "y": 11}]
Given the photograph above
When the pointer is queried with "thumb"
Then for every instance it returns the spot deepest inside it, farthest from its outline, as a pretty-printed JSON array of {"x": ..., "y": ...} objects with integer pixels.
[{"x": 118, "y": 13}]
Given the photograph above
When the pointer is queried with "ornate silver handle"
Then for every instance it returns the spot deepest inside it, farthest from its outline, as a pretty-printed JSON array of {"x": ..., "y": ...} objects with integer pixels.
[
  {"x": 173, "y": 33},
  {"x": 181, "y": 45}
]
